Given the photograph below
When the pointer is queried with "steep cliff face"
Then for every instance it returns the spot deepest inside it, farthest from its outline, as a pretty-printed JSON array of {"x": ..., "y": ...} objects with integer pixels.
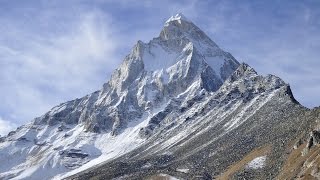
[
  {"x": 243, "y": 130},
  {"x": 177, "y": 105},
  {"x": 149, "y": 77}
]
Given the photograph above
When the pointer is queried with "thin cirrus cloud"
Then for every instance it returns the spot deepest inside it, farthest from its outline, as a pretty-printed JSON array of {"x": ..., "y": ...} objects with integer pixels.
[
  {"x": 55, "y": 51},
  {"x": 45, "y": 70},
  {"x": 6, "y": 126}
]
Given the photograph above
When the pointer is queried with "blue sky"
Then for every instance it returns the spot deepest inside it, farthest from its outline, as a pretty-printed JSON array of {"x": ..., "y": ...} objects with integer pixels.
[{"x": 54, "y": 51}]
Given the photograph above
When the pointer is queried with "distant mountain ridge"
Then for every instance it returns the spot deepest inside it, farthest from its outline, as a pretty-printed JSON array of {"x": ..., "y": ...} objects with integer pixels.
[{"x": 177, "y": 105}]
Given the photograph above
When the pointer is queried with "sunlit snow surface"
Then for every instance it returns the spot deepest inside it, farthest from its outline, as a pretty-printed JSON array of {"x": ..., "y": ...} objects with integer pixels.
[
  {"x": 157, "y": 58},
  {"x": 100, "y": 147},
  {"x": 257, "y": 163},
  {"x": 178, "y": 17}
]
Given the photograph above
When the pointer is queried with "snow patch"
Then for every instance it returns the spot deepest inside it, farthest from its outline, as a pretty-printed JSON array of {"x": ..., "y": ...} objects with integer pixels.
[
  {"x": 112, "y": 146},
  {"x": 183, "y": 170},
  {"x": 157, "y": 58},
  {"x": 168, "y": 177},
  {"x": 57, "y": 109},
  {"x": 257, "y": 163},
  {"x": 216, "y": 64}
]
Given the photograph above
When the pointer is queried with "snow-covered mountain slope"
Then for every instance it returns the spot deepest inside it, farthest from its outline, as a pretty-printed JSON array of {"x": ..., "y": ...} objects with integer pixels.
[
  {"x": 201, "y": 136},
  {"x": 177, "y": 105},
  {"x": 109, "y": 122}
]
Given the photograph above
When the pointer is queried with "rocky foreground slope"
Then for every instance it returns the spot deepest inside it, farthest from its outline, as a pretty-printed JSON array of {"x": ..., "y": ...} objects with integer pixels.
[{"x": 178, "y": 106}]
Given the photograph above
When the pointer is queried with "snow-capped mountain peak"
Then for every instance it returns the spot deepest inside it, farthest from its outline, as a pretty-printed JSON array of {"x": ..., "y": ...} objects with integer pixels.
[
  {"x": 179, "y": 26},
  {"x": 178, "y": 17},
  {"x": 170, "y": 84},
  {"x": 182, "y": 62}
]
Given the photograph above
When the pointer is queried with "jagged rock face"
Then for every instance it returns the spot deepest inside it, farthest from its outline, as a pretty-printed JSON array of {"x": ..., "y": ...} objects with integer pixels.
[
  {"x": 149, "y": 77},
  {"x": 201, "y": 136},
  {"x": 177, "y": 104}
]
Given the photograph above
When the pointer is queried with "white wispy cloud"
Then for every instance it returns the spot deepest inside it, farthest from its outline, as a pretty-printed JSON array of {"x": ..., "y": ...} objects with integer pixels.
[
  {"x": 6, "y": 127},
  {"x": 48, "y": 70}
]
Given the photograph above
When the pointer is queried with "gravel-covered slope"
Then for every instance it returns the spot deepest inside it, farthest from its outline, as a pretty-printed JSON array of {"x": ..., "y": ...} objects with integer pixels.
[{"x": 248, "y": 113}]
